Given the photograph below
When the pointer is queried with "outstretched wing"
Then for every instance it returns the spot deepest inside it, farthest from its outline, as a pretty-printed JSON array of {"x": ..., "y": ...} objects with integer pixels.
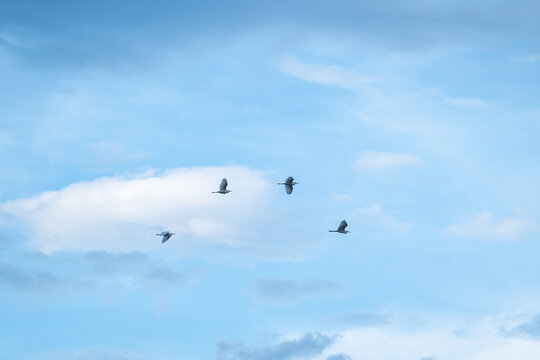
[
  {"x": 165, "y": 238},
  {"x": 289, "y": 180},
  {"x": 342, "y": 225},
  {"x": 288, "y": 188},
  {"x": 223, "y": 185}
]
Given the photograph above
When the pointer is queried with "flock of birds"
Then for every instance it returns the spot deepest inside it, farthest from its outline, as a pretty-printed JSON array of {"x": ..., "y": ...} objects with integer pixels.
[{"x": 289, "y": 183}]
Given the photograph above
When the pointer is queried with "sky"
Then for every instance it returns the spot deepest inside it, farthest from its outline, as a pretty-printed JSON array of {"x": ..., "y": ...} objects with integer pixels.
[{"x": 416, "y": 122}]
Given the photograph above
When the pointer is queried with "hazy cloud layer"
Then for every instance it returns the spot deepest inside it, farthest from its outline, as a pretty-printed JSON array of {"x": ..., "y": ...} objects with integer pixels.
[
  {"x": 310, "y": 344},
  {"x": 74, "y": 36},
  {"x": 291, "y": 289}
]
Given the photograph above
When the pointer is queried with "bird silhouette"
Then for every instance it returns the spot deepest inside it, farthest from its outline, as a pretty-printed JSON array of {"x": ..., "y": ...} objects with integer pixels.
[
  {"x": 289, "y": 183},
  {"x": 341, "y": 228},
  {"x": 166, "y": 236},
  {"x": 222, "y": 187}
]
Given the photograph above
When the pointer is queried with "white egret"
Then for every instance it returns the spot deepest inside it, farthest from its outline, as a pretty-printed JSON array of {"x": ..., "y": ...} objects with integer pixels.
[
  {"x": 341, "y": 228},
  {"x": 289, "y": 182},
  {"x": 222, "y": 187},
  {"x": 166, "y": 236}
]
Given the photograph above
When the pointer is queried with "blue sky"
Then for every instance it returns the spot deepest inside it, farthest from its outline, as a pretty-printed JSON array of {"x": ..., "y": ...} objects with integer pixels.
[{"x": 417, "y": 122}]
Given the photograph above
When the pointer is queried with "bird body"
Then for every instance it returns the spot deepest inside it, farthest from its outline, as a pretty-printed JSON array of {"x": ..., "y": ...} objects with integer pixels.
[
  {"x": 166, "y": 236},
  {"x": 289, "y": 183},
  {"x": 341, "y": 228},
  {"x": 222, "y": 187}
]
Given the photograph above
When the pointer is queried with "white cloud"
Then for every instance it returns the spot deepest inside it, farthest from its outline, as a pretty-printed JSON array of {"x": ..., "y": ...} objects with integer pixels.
[
  {"x": 377, "y": 160},
  {"x": 468, "y": 103},
  {"x": 485, "y": 225},
  {"x": 324, "y": 74},
  {"x": 123, "y": 213}
]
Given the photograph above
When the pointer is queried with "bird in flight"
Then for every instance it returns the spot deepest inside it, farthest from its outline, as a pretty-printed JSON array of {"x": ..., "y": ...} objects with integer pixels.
[
  {"x": 341, "y": 228},
  {"x": 222, "y": 187},
  {"x": 289, "y": 182},
  {"x": 166, "y": 236}
]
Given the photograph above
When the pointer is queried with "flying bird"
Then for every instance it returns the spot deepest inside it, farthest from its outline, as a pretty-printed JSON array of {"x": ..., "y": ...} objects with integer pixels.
[
  {"x": 166, "y": 236},
  {"x": 341, "y": 228},
  {"x": 222, "y": 187},
  {"x": 289, "y": 182}
]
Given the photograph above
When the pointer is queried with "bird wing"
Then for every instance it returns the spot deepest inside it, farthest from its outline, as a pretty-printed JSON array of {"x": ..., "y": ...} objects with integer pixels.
[
  {"x": 288, "y": 188},
  {"x": 163, "y": 233},
  {"x": 342, "y": 225},
  {"x": 223, "y": 185},
  {"x": 289, "y": 180},
  {"x": 165, "y": 238}
]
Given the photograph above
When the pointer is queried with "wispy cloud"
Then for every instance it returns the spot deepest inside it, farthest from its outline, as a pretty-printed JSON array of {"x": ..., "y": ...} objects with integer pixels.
[
  {"x": 380, "y": 161},
  {"x": 468, "y": 103},
  {"x": 485, "y": 225},
  {"x": 374, "y": 216},
  {"x": 324, "y": 74},
  {"x": 310, "y": 344},
  {"x": 527, "y": 58},
  {"x": 291, "y": 289},
  {"x": 136, "y": 270}
]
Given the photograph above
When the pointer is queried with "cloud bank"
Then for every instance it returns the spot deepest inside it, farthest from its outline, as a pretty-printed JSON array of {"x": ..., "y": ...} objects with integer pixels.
[{"x": 475, "y": 340}]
